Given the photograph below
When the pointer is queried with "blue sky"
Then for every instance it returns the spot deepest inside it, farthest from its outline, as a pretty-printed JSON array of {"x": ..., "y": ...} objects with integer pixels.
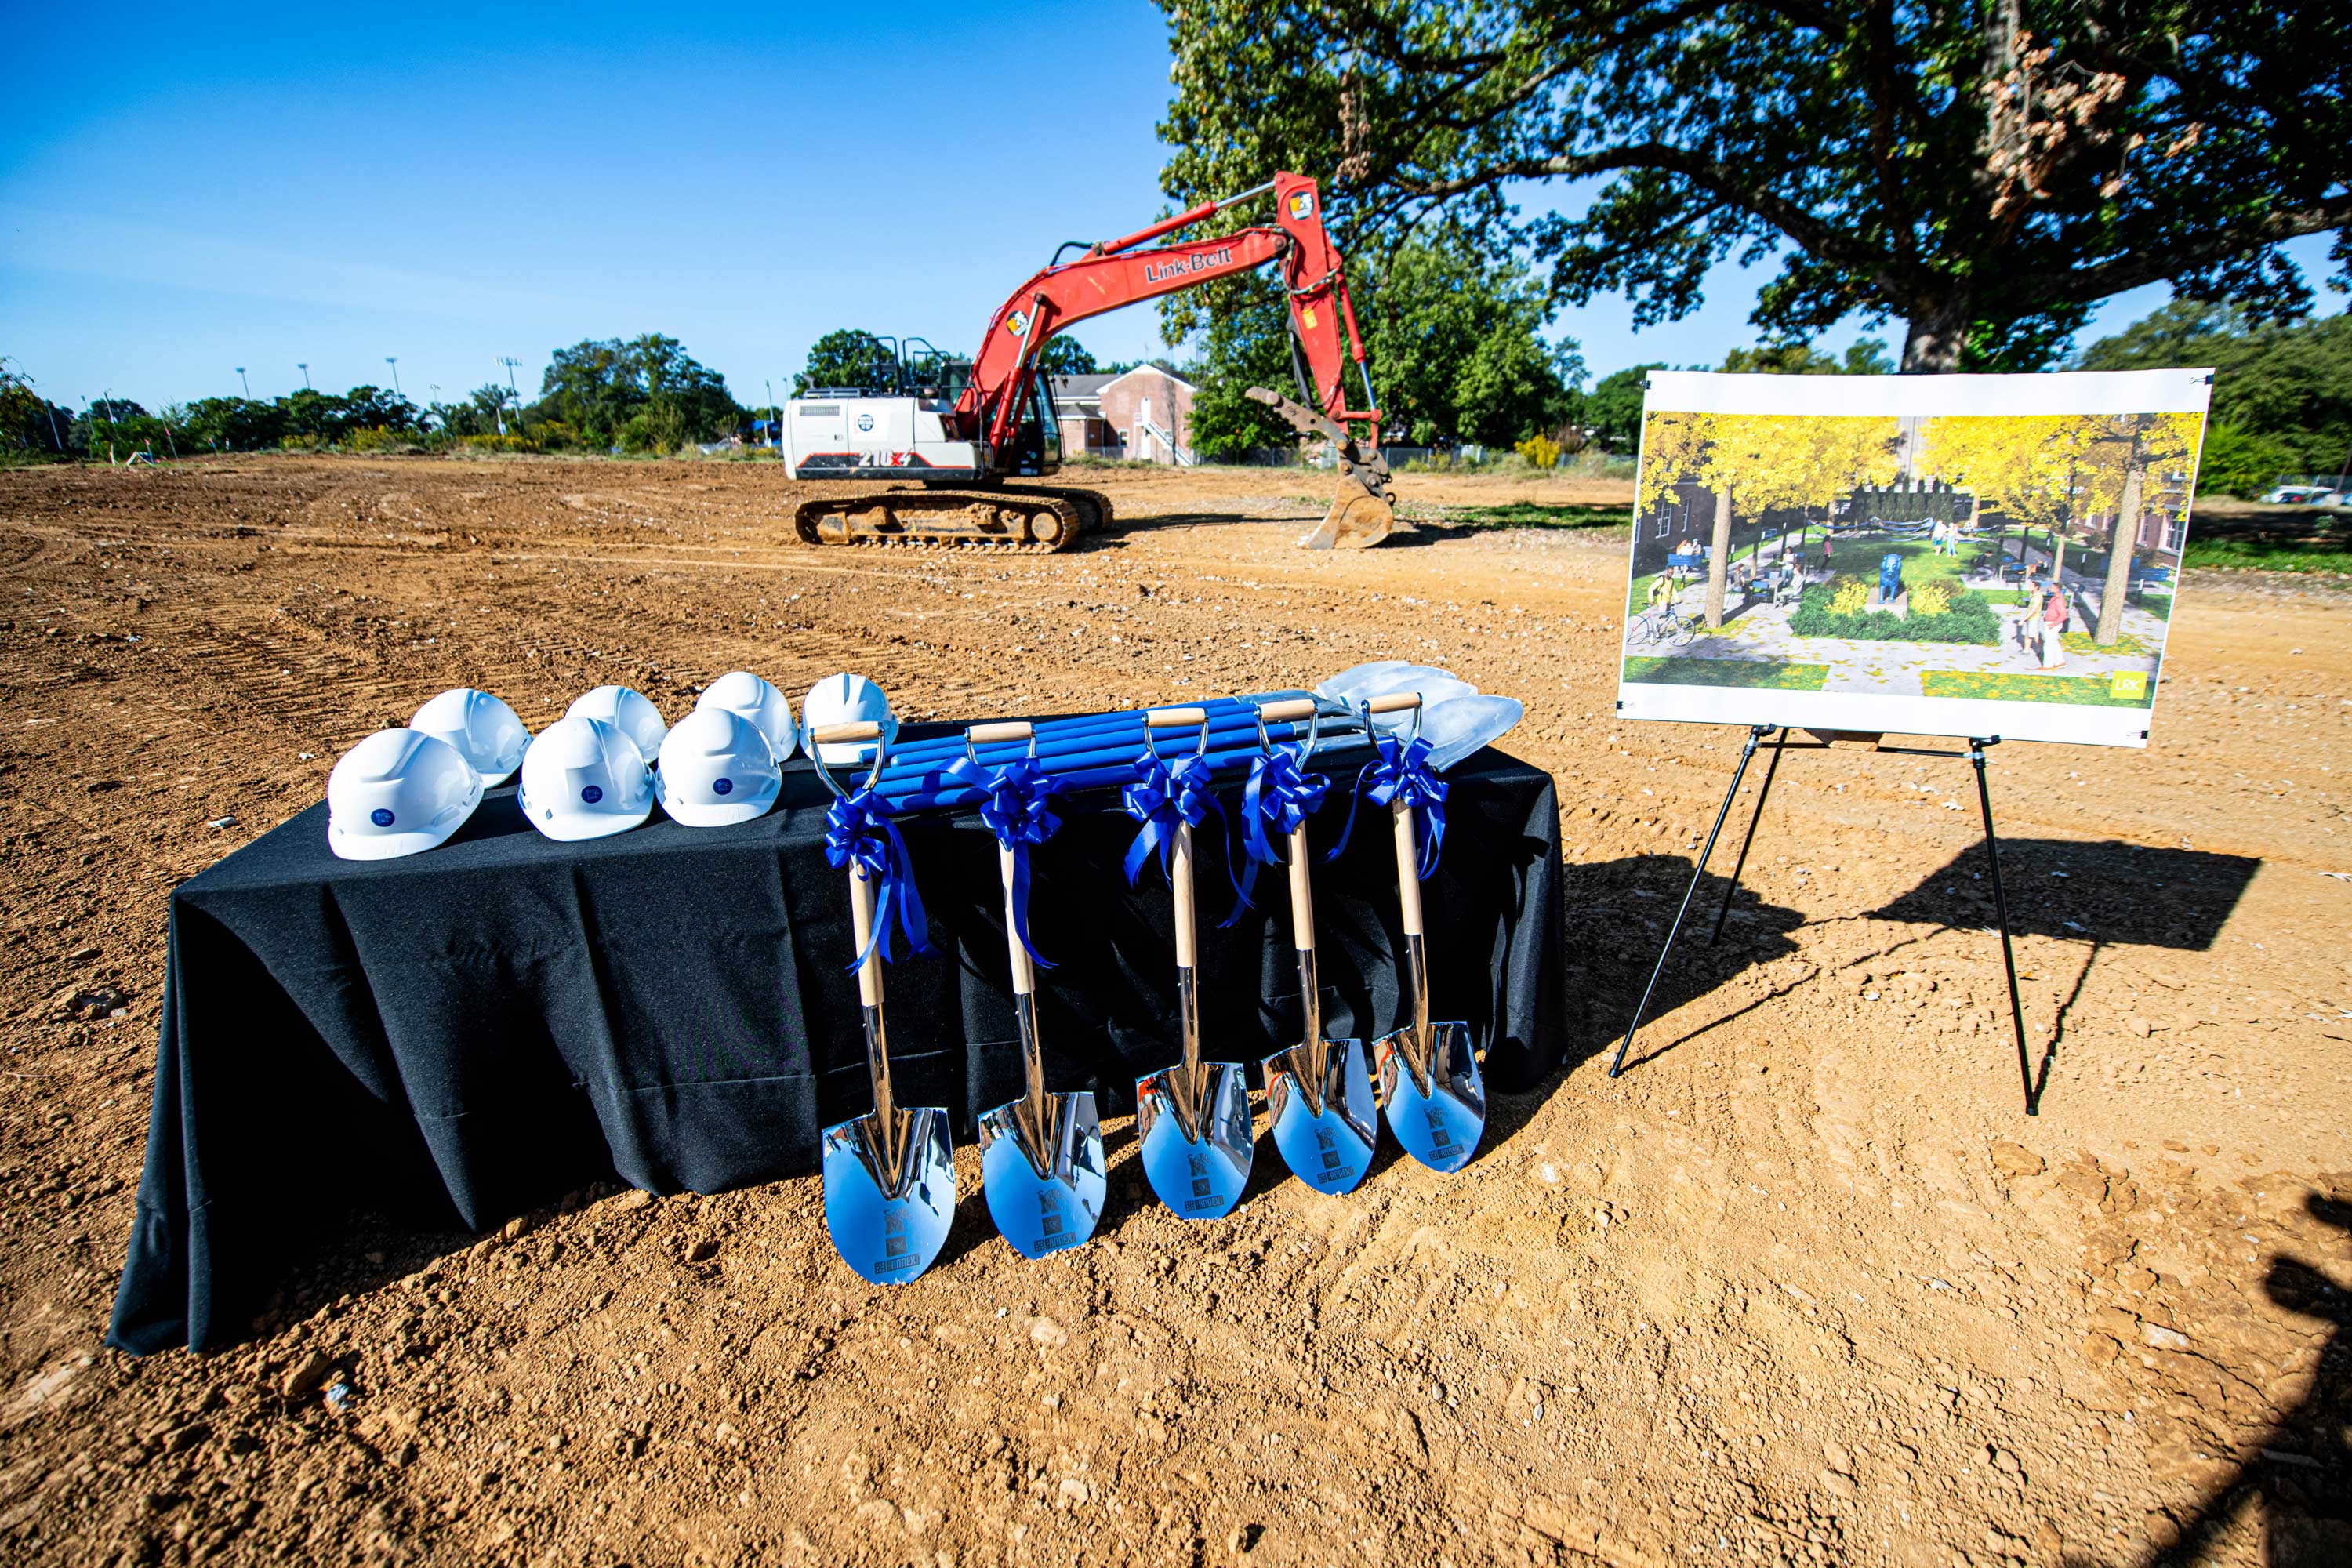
[{"x": 262, "y": 185}]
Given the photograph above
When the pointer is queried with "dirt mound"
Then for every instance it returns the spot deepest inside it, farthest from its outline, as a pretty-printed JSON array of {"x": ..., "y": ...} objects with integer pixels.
[{"x": 1802, "y": 1286}]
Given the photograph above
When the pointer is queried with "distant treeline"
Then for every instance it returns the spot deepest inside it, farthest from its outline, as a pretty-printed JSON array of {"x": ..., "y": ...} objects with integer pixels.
[{"x": 641, "y": 395}]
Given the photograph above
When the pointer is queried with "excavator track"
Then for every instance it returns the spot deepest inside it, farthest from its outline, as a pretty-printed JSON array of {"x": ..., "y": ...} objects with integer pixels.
[{"x": 1035, "y": 520}]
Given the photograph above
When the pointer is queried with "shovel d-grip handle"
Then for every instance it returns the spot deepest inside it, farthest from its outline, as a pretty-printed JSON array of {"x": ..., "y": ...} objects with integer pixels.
[
  {"x": 996, "y": 735},
  {"x": 1393, "y": 702},
  {"x": 1288, "y": 709},
  {"x": 854, "y": 729}
]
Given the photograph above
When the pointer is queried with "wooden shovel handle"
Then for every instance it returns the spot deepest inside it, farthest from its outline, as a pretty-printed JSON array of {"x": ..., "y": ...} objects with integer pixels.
[
  {"x": 1289, "y": 707},
  {"x": 1407, "y": 868},
  {"x": 856, "y": 729},
  {"x": 861, "y": 927},
  {"x": 1175, "y": 717},
  {"x": 1180, "y": 877},
  {"x": 1395, "y": 702},
  {"x": 1302, "y": 893},
  {"x": 1024, "y": 972},
  {"x": 991, "y": 735}
]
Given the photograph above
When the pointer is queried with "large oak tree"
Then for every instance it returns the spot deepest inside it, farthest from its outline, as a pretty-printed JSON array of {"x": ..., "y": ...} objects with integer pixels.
[{"x": 1985, "y": 171}]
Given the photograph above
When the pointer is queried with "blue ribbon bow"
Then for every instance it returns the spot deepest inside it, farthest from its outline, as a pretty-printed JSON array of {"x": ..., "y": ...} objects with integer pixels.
[
  {"x": 859, "y": 830},
  {"x": 1016, "y": 810},
  {"x": 1279, "y": 795},
  {"x": 1164, "y": 795},
  {"x": 1402, "y": 771}
]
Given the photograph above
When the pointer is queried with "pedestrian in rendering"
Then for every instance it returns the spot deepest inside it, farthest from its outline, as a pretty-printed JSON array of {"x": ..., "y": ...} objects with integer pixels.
[{"x": 2054, "y": 629}]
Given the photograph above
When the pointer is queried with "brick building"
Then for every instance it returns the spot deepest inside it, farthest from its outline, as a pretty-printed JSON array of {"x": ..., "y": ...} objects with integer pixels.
[{"x": 1150, "y": 410}]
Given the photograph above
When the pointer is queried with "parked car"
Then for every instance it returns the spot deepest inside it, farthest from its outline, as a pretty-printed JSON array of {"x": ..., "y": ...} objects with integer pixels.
[{"x": 2304, "y": 495}]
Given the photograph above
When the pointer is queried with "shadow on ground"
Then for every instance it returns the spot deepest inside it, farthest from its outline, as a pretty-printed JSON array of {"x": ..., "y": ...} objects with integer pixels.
[
  {"x": 2112, "y": 893},
  {"x": 1618, "y": 915},
  {"x": 2294, "y": 1498}
]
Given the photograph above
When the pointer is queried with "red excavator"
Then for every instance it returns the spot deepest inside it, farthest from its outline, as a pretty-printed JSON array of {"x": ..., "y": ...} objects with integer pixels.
[{"x": 935, "y": 443}]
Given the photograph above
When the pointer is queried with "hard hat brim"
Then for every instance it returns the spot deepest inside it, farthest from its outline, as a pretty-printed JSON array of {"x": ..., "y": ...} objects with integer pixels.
[
  {"x": 725, "y": 813},
  {"x": 350, "y": 846},
  {"x": 572, "y": 828}
]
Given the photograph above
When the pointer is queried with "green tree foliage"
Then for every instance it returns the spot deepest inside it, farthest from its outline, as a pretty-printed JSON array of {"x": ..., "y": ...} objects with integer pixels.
[
  {"x": 2281, "y": 392},
  {"x": 1865, "y": 356},
  {"x": 1613, "y": 407},
  {"x": 847, "y": 357},
  {"x": 1454, "y": 344},
  {"x": 1985, "y": 172},
  {"x": 1065, "y": 355},
  {"x": 29, "y": 423},
  {"x": 233, "y": 424},
  {"x": 599, "y": 389},
  {"x": 1247, "y": 345},
  {"x": 1457, "y": 349}
]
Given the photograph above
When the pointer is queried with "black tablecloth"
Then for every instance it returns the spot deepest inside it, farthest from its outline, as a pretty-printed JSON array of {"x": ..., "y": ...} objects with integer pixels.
[{"x": 502, "y": 1019}]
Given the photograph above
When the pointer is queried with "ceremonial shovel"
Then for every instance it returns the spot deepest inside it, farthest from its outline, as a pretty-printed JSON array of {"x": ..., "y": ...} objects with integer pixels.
[
  {"x": 1041, "y": 1156},
  {"x": 1430, "y": 1087},
  {"x": 889, "y": 1177},
  {"x": 1318, "y": 1094},
  {"x": 1192, "y": 1120}
]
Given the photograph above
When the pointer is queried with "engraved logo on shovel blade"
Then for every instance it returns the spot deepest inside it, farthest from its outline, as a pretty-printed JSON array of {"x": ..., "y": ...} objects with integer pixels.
[
  {"x": 1440, "y": 1128},
  {"x": 1333, "y": 1152},
  {"x": 1203, "y": 1179},
  {"x": 890, "y": 1240},
  {"x": 1042, "y": 1213}
]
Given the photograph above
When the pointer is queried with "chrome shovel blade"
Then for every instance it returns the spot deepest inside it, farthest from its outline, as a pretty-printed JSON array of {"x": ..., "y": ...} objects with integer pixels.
[
  {"x": 1440, "y": 1128},
  {"x": 890, "y": 1230},
  {"x": 1203, "y": 1177},
  {"x": 1330, "y": 1152},
  {"x": 1043, "y": 1200}
]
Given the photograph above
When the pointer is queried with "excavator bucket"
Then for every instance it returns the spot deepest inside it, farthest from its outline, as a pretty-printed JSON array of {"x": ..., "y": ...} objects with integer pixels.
[
  {"x": 1357, "y": 519},
  {"x": 1362, "y": 514}
]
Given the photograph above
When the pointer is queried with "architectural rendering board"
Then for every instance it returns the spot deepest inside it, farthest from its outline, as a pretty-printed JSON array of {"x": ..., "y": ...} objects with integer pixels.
[{"x": 1926, "y": 555}]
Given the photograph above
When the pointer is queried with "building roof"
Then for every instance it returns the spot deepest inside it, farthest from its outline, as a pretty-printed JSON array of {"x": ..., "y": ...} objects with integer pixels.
[
  {"x": 1069, "y": 386},
  {"x": 1157, "y": 370}
]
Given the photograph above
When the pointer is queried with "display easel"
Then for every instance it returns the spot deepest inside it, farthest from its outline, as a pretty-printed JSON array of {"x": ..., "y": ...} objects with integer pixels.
[{"x": 1823, "y": 742}]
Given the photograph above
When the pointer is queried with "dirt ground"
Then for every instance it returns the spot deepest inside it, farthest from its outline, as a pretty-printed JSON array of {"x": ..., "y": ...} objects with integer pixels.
[{"x": 1803, "y": 1285}]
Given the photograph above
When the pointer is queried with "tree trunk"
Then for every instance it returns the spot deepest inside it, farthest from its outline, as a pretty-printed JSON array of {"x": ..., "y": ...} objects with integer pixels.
[
  {"x": 2121, "y": 540},
  {"x": 1718, "y": 560},
  {"x": 1934, "y": 338}
]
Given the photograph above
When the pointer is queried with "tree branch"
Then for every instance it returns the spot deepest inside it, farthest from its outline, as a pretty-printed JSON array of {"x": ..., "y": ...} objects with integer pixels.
[{"x": 2086, "y": 285}]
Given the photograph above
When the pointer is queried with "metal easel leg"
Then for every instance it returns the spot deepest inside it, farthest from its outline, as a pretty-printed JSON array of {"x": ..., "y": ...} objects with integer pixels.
[
  {"x": 1756, "y": 733},
  {"x": 1778, "y": 742},
  {"x": 2000, "y": 910}
]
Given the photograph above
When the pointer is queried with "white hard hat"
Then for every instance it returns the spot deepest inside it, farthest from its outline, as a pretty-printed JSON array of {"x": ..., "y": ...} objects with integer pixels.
[
  {"x": 846, "y": 699},
  {"x": 485, "y": 730},
  {"x": 584, "y": 778},
  {"x": 717, "y": 770},
  {"x": 397, "y": 792},
  {"x": 632, "y": 711},
  {"x": 770, "y": 710}
]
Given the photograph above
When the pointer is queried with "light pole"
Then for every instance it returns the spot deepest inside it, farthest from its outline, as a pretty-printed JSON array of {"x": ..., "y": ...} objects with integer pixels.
[
  {"x": 772, "y": 432},
  {"x": 511, "y": 362},
  {"x": 245, "y": 383},
  {"x": 304, "y": 367},
  {"x": 394, "y": 360}
]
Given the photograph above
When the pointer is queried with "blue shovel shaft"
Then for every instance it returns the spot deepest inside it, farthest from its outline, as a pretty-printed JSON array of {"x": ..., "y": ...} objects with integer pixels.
[
  {"x": 1111, "y": 765},
  {"x": 1058, "y": 736},
  {"x": 1090, "y": 750}
]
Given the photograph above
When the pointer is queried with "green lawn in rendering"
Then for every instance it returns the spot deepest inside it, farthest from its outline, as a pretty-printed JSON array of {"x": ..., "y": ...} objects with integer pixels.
[
  {"x": 1777, "y": 675},
  {"x": 2082, "y": 691}
]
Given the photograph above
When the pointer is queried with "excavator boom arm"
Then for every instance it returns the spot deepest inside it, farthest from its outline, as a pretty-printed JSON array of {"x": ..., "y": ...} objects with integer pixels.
[{"x": 1115, "y": 273}]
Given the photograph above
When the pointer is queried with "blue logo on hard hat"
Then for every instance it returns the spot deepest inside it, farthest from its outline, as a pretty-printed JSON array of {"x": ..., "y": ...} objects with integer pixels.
[
  {"x": 381, "y": 818},
  {"x": 592, "y": 794},
  {"x": 722, "y": 786}
]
